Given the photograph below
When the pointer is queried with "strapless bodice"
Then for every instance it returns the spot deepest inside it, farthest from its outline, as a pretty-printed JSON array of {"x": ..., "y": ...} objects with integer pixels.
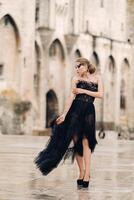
[{"x": 88, "y": 85}]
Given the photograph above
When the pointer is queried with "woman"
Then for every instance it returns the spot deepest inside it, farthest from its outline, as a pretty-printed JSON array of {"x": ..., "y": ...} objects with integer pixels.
[{"x": 77, "y": 124}]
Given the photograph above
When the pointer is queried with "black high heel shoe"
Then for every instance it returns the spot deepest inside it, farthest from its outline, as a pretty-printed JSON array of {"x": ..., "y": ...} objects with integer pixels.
[
  {"x": 79, "y": 182},
  {"x": 85, "y": 184}
]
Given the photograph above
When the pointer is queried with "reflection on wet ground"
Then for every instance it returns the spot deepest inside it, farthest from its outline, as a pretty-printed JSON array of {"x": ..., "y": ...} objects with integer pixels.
[{"x": 112, "y": 172}]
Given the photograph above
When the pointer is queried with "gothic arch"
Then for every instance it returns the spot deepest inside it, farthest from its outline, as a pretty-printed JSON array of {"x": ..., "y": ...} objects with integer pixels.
[
  {"x": 8, "y": 19},
  {"x": 37, "y": 71},
  {"x": 126, "y": 62},
  {"x": 111, "y": 65},
  {"x": 51, "y": 107},
  {"x": 95, "y": 59},
  {"x": 98, "y": 104},
  {"x": 10, "y": 42},
  {"x": 124, "y": 85},
  {"x": 56, "y": 49},
  {"x": 56, "y": 70},
  {"x": 110, "y": 92},
  {"x": 77, "y": 54}
]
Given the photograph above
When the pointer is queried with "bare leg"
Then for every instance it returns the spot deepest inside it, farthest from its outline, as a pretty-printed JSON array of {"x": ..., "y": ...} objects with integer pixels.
[
  {"x": 79, "y": 160},
  {"x": 87, "y": 158}
]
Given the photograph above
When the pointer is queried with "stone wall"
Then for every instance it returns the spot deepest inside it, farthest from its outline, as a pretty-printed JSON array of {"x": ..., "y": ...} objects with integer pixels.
[{"x": 47, "y": 36}]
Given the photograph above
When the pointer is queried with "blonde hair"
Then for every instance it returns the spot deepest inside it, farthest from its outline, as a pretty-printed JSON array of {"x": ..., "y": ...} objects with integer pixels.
[{"x": 85, "y": 61}]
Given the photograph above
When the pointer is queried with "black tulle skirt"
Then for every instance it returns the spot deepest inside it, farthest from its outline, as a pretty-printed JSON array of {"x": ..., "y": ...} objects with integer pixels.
[{"x": 80, "y": 122}]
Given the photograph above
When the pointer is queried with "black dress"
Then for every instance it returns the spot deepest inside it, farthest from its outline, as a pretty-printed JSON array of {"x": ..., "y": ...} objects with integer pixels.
[{"x": 80, "y": 122}]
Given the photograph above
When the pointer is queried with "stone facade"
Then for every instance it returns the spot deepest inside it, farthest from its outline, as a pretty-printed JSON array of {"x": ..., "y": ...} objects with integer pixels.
[{"x": 40, "y": 41}]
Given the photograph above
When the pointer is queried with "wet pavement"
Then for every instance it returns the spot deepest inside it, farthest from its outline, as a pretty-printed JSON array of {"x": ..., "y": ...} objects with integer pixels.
[{"x": 112, "y": 172}]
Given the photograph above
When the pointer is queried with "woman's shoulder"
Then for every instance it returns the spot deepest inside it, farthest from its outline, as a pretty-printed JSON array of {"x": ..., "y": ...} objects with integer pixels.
[
  {"x": 75, "y": 78},
  {"x": 96, "y": 78}
]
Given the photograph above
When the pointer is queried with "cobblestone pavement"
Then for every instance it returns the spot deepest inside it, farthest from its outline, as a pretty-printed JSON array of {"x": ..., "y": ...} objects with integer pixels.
[{"x": 112, "y": 172}]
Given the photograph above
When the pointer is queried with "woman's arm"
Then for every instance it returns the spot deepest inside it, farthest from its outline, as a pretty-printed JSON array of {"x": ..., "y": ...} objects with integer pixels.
[
  {"x": 93, "y": 94},
  {"x": 98, "y": 94},
  {"x": 71, "y": 97},
  {"x": 68, "y": 102}
]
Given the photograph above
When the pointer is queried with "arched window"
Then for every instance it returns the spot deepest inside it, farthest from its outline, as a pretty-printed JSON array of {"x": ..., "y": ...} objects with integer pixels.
[
  {"x": 51, "y": 107},
  {"x": 124, "y": 86},
  {"x": 56, "y": 49},
  {"x": 9, "y": 52},
  {"x": 77, "y": 53}
]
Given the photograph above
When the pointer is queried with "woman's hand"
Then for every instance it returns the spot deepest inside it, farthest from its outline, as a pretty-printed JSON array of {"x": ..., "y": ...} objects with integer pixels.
[
  {"x": 60, "y": 119},
  {"x": 77, "y": 91}
]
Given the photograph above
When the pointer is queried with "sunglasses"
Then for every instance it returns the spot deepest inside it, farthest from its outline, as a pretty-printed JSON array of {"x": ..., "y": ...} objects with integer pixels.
[{"x": 78, "y": 66}]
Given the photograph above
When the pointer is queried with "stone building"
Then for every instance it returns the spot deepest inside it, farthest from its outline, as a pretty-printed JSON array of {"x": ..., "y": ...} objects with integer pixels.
[{"x": 40, "y": 41}]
